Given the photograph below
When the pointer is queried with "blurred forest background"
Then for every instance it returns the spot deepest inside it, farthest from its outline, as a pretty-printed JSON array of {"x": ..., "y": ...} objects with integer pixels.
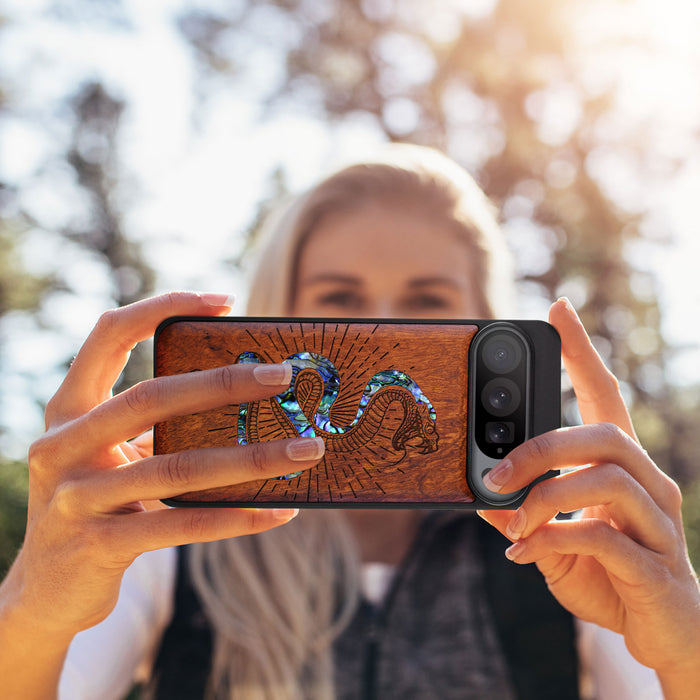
[{"x": 580, "y": 119}]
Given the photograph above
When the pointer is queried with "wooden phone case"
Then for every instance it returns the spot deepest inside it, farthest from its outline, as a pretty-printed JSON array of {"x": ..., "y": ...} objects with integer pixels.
[{"x": 389, "y": 398}]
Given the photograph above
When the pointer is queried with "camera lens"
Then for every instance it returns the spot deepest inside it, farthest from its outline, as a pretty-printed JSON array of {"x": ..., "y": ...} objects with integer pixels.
[
  {"x": 499, "y": 432},
  {"x": 500, "y": 396},
  {"x": 502, "y": 353}
]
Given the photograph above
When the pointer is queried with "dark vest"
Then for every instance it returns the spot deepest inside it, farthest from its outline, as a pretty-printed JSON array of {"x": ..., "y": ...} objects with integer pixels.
[{"x": 460, "y": 621}]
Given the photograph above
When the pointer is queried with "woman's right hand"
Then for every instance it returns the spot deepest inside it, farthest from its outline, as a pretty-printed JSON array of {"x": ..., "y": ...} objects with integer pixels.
[{"x": 87, "y": 516}]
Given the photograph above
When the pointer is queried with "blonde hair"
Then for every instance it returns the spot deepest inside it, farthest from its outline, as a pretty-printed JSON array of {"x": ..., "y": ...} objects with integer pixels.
[
  {"x": 277, "y": 600},
  {"x": 404, "y": 175}
]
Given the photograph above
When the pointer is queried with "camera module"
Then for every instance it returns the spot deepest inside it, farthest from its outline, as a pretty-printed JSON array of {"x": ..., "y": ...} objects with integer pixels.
[
  {"x": 514, "y": 368},
  {"x": 501, "y": 389}
]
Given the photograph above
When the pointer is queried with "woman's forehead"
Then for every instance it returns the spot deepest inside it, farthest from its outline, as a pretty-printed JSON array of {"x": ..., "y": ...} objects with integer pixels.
[{"x": 382, "y": 238}]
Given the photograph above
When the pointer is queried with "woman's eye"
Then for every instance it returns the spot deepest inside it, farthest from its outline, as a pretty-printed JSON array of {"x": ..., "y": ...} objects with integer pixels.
[
  {"x": 427, "y": 302},
  {"x": 341, "y": 299}
]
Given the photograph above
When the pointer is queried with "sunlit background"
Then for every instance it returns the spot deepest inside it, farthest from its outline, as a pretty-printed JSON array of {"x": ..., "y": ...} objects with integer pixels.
[{"x": 139, "y": 141}]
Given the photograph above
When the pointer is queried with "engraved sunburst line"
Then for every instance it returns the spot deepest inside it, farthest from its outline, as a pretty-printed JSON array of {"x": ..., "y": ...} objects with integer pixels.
[
  {"x": 223, "y": 427},
  {"x": 347, "y": 354},
  {"x": 364, "y": 354},
  {"x": 274, "y": 345},
  {"x": 351, "y": 375},
  {"x": 265, "y": 355},
  {"x": 284, "y": 345},
  {"x": 333, "y": 339},
  {"x": 366, "y": 340},
  {"x": 253, "y": 338},
  {"x": 354, "y": 350},
  {"x": 323, "y": 336},
  {"x": 340, "y": 345},
  {"x": 367, "y": 357}
]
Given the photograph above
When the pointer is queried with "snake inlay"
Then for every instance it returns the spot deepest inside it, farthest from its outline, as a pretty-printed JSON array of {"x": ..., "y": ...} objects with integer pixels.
[{"x": 305, "y": 410}]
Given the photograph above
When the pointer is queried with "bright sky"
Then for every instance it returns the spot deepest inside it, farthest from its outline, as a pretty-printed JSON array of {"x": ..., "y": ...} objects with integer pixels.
[{"x": 194, "y": 189}]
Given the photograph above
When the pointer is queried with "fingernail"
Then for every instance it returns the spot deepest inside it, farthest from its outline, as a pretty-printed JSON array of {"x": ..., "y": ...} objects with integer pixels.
[
  {"x": 515, "y": 550},
  {"x": 517, "y": 525},
  {"x": 273, "y": 375},
  {"x": 285, "y": 514},
  {"x": 498, "y": 477},
  {"x": 569, "y": 306},
  {"x": 303, "y": 449},
  {"x": 218, "y": 299}
]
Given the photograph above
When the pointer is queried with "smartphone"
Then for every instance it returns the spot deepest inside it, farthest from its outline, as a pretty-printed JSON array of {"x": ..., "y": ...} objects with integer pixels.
[{"x": 413, "y": 413}]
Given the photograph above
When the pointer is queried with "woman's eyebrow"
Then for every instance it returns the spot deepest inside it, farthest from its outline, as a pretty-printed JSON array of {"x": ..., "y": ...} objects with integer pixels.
[
  {"x": 433, "y": 281},
  {"x": 334, "y": 278}
]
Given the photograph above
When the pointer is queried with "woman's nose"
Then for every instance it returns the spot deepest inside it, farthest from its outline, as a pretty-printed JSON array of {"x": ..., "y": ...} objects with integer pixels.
[{"x": 383, "y": 308}]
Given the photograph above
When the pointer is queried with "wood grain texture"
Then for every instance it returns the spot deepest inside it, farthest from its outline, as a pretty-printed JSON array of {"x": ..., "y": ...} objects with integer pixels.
[{"x": 388, "y": 451}]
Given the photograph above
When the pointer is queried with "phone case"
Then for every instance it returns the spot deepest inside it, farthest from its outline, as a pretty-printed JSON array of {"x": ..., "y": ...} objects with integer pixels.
[{"x": 390, "y": 398}]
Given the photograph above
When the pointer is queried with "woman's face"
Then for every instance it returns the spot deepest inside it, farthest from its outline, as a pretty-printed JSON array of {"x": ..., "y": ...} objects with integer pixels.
[{"x": 385, "y": 261}]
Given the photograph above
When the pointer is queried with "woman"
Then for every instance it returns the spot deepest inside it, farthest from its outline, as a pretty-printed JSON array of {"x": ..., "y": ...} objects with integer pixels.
[{"x": 276, "y": 601}]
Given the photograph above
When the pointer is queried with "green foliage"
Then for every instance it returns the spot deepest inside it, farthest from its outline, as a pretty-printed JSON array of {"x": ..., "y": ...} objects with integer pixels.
[
  {"x": 14, "y": 483},
  {"x": 691, "y": 521},
  {"x": 18, "y": 289}
]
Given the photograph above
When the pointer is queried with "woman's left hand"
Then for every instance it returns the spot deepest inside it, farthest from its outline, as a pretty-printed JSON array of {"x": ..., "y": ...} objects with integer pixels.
[{"x": 623, "y": 564}]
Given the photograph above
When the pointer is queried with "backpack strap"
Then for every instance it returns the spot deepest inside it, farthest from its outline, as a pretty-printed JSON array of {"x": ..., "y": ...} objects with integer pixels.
[{"x": 536, "y": 633}]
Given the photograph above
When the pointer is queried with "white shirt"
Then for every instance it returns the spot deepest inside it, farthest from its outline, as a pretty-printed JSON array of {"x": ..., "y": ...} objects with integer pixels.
[{"x": 104, "y": 661}]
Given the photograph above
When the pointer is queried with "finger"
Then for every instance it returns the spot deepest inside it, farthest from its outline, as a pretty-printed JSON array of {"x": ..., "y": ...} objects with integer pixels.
[
  {"x": 596, "y": 388},
  {"x": 614, "y": 550},
  {"x": 105, "y": 352},
  {"x": 166, "y": 476},
  {"x": 143, "y": 444},
  {"x": 155, "y": 400},
  {"x": 497, "y": 518},
  {"x": 606, "y": 486},
  {"x": 156, "y": 529},
  {"x": 579, "y": 445}
]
